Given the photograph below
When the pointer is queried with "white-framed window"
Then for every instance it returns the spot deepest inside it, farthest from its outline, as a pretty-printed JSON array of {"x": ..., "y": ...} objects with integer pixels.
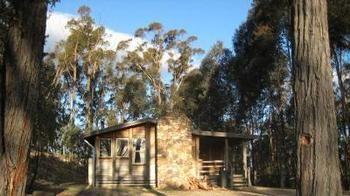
[
  {"x": 139, "y": 149},
  {"x": 105, "y": 147},
  {"x": 122, "y": 147}
]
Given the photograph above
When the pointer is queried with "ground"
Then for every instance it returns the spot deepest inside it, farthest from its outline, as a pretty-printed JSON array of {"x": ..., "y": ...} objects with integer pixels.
[
  {"x": 54, "y": 174},
  {"x": 62, "y": 178},
  {"x": 84, "y": 190}
]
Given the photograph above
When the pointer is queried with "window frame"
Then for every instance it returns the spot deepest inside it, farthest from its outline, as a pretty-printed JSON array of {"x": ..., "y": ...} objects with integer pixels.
[
  {"x": 110, "y": 148},
  {"x": 127, "y": 155},
  {"x": 141, "y": 151}
]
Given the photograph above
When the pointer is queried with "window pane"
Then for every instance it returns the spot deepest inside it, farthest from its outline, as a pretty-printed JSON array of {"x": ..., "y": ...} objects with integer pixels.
[
  {"x": 137, "y": 157},
  {"x": 139, "y": 147},
  {"x": 105, "y": 147},
  {"x": 122, "y": 149}
]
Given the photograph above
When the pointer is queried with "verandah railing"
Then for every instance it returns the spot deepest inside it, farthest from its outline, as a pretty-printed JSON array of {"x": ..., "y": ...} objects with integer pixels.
[{"x": 211, "y": 168}]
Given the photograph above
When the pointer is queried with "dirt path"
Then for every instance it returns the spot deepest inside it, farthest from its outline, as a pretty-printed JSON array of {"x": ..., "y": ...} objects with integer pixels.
[
  {"x": 222, "y": 192},
  {"x": 274, "y": 191},
  {"x": 83, "y": 190},
  {"x": 80, "y": 190}
]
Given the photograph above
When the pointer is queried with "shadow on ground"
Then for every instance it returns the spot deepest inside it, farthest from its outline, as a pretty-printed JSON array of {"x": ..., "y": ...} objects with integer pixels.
[
  {"x": 122, "y": 191},
  {"x": 55, "y": 175}
]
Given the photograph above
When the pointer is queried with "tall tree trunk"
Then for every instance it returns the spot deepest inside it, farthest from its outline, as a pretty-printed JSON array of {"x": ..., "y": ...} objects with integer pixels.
[
  {"x": 317, "y": 144},
  {"x": 2, "y": 102},
  {"x": 282, "y": 150},
  {"x": 90, "y": 104},
  {"x": 22, "y": 58}
]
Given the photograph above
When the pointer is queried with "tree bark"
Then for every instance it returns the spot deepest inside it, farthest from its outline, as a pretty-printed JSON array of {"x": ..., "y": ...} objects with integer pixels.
[
  {"x": 317, "y": 136},
  {"x": 90, "y": 105},
  {"x": 22, "y": 58},
  {"x": 2, "y": 103}
]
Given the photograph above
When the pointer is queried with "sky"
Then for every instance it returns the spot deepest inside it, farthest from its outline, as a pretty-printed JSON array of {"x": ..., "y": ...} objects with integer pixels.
[{"x": 209, "y": 20}]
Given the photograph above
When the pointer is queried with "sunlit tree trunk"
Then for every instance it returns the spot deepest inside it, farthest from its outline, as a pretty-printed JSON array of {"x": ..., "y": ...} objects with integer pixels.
[
  {"x": 90, "y": 104},
  {"x": 22, "y": 58},
  {"x": 317, "y": 136},
  {"x": 2, "y": 102}
]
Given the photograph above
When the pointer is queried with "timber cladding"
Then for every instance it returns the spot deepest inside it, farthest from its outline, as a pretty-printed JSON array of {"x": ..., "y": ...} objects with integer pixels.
[
  {"x": 147, "y": 153},
  {"x": 163, "y": 153},
  {"x": 124, "y": 156}
]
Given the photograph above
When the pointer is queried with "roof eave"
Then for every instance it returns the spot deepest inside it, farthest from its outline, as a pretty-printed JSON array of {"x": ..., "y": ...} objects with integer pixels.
[
  {"x": 120, "y": 127},
  {"x": 222, "y": 134}
]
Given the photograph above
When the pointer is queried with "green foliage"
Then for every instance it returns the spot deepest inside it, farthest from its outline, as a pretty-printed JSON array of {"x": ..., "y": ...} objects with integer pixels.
[
  {"x": 81, "y": 59},
  {"x": 258, "y": 50},
  {"x": 339, "y": 32},
  {"x": 147, "y": 60},
  {"x": 262, "y": 68},
  {"x": 131, "y": 99},
  {"x": 262, "y": 72},
  {"x": 247, "y": 90},
  {"x": 209, "y": 91},
  {"x": 126, "y": 92},
  {"x": 73, "y": 144},
  {"x": 339, "y": 23},
  {"x": 71, "y": 136},
  {"x": 134, "y": 95},
  {"x": 46, "y": 125}
]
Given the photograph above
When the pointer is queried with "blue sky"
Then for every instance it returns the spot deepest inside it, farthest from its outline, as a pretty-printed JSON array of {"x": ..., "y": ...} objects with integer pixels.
[{"x": 209, "y": 20}]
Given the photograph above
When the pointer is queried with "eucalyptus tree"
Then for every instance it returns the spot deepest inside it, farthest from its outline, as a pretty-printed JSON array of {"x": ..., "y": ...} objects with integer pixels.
[
  {"x": 81, "y": 60},
  {"x": 46, "y": 119},
  {"x": 158, "y": 49},
  {"x": 23, "y": 52},
  {"x": 318, "y": 161},
  {"x": 263, "y": 46},
  {"x": 180, "y": 66},
  {"x": 262, "y": 71},
  {"x": 126, "y": 90},
  {"x": 209, "y": 91},
  {"x": 127, "y": 96}
]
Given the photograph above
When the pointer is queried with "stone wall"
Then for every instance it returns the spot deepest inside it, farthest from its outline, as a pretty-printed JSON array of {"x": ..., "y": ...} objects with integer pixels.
[{"x": 175, "y": 162}]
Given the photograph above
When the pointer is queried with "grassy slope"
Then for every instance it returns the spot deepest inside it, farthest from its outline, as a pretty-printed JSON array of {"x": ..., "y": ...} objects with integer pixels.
[{"x": 54, "y": 174}]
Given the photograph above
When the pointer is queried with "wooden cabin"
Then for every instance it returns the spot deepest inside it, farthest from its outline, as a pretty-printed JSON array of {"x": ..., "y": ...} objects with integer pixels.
[{"x": 165, "y": 153}]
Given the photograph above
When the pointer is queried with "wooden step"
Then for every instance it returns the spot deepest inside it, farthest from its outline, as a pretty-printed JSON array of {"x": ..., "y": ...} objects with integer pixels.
[
  {"x": 239, "y": 185},
  {"x": 239, "y": 180}
]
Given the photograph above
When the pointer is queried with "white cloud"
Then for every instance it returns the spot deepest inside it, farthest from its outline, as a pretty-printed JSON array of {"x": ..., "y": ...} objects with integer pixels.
[{"x": 57, "y": 31}]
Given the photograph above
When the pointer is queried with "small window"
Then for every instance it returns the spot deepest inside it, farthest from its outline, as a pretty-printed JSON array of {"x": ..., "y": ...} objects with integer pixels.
[
  {"x": 122, "y": 147},
  {"x": 139, "y": 147},
  {"x": 105, "y": 147}
]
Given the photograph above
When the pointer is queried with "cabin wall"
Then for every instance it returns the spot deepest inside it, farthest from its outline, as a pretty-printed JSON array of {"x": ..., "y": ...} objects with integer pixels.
[
  {"x": 176, "y": 160},
  {"x": 112, "y": 170}
]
